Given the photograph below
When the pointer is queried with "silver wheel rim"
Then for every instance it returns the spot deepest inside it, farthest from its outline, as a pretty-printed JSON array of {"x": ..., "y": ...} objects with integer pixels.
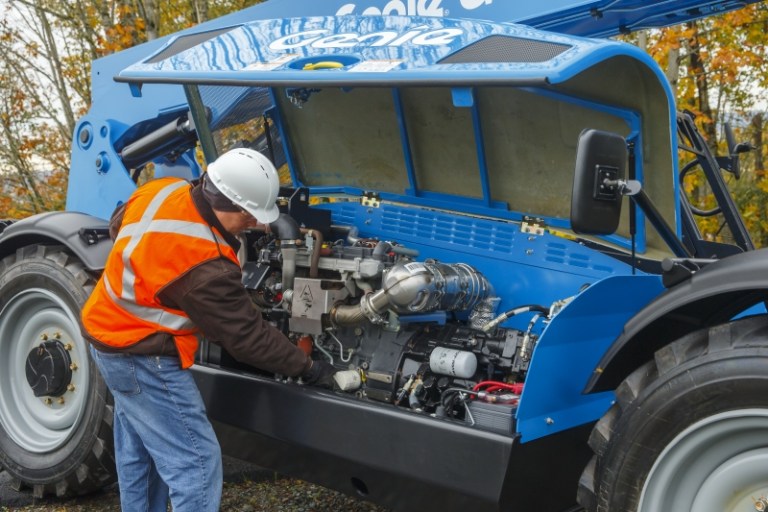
[
  {"x": 39, "y": 424},
  {"x": 718, "y": 464}
]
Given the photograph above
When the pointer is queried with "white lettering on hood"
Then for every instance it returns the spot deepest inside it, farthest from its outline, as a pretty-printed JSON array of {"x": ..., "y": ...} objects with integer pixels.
[
  {"x": 411, "y": 8},
  {"x": 325, "y": 38}
]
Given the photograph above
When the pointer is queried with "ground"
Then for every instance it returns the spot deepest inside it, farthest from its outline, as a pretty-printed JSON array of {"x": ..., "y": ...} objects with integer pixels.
[{"x": 247, "y": 488}]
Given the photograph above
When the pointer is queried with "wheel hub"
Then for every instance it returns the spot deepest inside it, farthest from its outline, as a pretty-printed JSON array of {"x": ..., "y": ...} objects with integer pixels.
[
  {"x": 48, "y": 369},
  {"x": 717, "y": 464}
]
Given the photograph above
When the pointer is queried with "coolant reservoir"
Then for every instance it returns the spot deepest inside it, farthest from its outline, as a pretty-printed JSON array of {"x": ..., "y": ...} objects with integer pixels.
[{"x": 456, "y": 363}]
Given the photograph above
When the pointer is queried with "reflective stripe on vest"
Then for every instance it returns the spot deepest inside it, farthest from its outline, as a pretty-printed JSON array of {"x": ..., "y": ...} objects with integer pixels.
[
  {"x": 156, "y": 316},
  {"x": 129, "y": 276},
  {"x": 123, "y": 308}
]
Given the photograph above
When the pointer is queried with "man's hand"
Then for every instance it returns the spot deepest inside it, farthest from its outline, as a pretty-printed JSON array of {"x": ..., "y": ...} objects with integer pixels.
[{"x": 320, "y": 373}]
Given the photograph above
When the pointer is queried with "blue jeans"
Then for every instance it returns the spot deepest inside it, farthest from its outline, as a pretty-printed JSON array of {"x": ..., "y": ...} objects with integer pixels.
[{"x": 165, "y": 446}]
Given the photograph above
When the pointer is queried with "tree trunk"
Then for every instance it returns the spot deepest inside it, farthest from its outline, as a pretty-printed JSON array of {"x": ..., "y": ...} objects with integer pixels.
[
  {"x": 201, "y": 10},
  {"x": 699, "y": 72},
  {"x": 758, "y": 125},
  {"x": 673, "y": 67},
  {"x": 57, "y": 72},
  {"x": 151, "y": 15}
]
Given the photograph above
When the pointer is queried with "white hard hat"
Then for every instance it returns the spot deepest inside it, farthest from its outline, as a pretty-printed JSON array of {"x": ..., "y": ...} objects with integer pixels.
[{"x": 249, "y": 180}]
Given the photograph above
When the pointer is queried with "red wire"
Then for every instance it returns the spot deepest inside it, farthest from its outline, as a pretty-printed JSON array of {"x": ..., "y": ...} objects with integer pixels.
[{"x": 494, "y": 385}]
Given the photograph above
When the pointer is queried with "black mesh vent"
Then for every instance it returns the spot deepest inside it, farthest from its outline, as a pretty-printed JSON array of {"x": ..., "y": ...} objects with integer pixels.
[
  {"x": 505, "y": 49},
  {"x": 186, "y": 42}
]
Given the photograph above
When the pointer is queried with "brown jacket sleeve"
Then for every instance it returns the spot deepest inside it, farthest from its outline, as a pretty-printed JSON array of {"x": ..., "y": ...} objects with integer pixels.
[
  {"x": 116, "y": 221},
  {"x": 213, "y": 297}
]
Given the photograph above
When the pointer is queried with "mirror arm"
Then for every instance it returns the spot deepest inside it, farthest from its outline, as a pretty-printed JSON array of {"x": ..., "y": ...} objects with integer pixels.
[{"x": 634, "y": 190}]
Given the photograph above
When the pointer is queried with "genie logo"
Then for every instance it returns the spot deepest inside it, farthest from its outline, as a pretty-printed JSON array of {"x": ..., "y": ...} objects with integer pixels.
[
  {"x": 324, "y": 38},
  {"x": 411, "y": 8}
]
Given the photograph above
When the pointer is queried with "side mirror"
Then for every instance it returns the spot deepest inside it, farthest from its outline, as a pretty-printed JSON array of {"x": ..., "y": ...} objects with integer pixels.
[
  {"x": 601, "y": 160},
  {"x": 730, "y": 163}
]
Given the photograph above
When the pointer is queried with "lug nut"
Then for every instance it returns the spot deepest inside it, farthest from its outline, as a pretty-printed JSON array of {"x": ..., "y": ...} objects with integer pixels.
[
  {"x": 57, "y": 335},
  {"x": 61, "y": 400},
  {"x": 73, "y": 367},
  {"x": 70, "y": 387},
  {"x": 68, "y": 346},
  {"x": 44, "y": 337},
  {"x": 48, "y": 401}
]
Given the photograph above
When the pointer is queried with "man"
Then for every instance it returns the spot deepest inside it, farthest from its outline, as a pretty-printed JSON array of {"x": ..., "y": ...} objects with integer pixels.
[{"x": 172, "y": 273}]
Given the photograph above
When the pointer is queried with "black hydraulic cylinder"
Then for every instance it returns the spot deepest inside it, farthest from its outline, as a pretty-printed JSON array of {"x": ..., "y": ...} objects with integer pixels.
[{"x": 179, "y": 132}]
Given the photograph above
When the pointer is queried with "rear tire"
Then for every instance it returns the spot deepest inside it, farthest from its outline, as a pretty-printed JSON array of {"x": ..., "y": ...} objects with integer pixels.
[
  {"x": 60, "y": 442},
  {"x": 689, "y": 430}
]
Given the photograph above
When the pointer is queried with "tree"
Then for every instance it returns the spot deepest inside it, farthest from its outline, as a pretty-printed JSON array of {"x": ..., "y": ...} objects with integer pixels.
[
  {"x": 46, "y": 48},
  {"x": 719, "y": 69}
]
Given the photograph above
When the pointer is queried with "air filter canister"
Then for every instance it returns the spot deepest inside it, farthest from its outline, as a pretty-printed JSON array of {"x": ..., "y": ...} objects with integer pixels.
[{"x": 456, "y": 363}]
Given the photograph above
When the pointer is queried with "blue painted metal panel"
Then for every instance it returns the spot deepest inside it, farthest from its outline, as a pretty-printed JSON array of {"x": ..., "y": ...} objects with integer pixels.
[
  {"x": 569, "y": 350},
  {"x": 523, "y": 268},
  {"x": 593, "y": 18},
  {"x": 267, "y": 51},
  {"x": 410, "y": 169},
  {"x": 607, "y": 18},
  {"x": 245, "y": 54}
]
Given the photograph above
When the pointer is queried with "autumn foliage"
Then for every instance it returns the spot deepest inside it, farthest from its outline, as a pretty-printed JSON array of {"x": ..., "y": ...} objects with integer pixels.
[
  {"x": 46, "y": 47},
  {"x": 719, "y": 69}
]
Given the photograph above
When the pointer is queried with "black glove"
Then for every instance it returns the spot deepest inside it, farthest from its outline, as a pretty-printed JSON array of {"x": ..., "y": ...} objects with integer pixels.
[{"x": 320, "y": 373}]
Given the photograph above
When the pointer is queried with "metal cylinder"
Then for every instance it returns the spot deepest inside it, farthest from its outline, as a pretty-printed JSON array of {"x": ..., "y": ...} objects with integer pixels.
[
  {"x": 456, "y": 363},
  {"x": 422, "y": 287},
  {"x": 288, "y": 252},
  {"x": 347, "y": 315},
  {"x": 411, "y": 288}
]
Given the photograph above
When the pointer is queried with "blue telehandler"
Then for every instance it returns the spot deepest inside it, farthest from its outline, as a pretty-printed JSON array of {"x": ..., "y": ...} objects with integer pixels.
[{"x": 487, "y": 237}]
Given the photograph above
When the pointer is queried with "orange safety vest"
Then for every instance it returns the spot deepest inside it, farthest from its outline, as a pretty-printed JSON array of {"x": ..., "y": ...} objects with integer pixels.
[{"x": 162, "y": 236}]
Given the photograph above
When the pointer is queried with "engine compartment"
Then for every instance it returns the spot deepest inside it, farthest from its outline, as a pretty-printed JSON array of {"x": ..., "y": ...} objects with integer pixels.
[{"x": 412, "y": 332}]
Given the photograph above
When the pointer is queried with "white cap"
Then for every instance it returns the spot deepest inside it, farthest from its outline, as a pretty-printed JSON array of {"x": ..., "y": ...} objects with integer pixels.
[{"x": 249, "y": 180}]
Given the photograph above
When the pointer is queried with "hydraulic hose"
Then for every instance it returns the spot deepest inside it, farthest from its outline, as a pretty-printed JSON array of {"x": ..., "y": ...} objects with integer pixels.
[{"x": 512, "y": 312}]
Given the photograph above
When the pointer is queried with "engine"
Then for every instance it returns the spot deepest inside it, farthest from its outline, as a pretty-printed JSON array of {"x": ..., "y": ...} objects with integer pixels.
[{"x": 417, "y": 334}]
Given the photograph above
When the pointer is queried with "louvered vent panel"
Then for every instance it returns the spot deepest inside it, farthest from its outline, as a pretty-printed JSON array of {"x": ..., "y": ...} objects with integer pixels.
[{"x": 506, "y": 49}]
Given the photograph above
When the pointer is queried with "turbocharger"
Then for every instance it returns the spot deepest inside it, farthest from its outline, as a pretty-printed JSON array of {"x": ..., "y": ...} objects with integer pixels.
[{"x": 416, "y": 287}]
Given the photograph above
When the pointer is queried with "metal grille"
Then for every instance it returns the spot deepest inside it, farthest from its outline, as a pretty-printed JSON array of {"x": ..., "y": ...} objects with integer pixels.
[{"x": 506, "y": 49}]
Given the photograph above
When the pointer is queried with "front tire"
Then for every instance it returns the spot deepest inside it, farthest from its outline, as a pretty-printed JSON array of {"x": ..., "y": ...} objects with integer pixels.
[
  {"x": 55, "y": 411},
  {"x": 689, "y": 430}
]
